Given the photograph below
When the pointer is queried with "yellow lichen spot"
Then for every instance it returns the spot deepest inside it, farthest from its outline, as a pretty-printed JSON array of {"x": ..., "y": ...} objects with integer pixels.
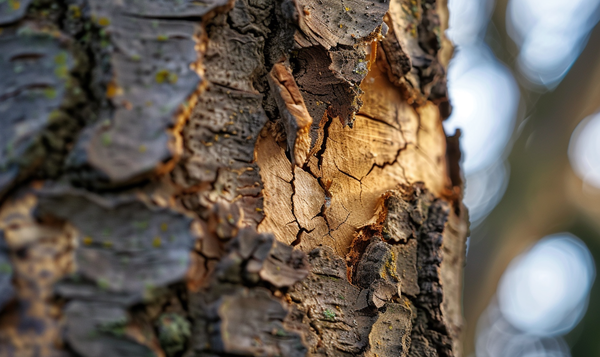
[
  {"x": 164, "y": 227},
  {"x": 164, "y": 75},
  {"x": 161, "y": 76},
  {"x": 391, "y": 327},
  {"x": 61, "y": 58},
  {"x": 15, "y": 4},
  {"x": 113, "y": 90},
  {"x": 107, "y": 244},
  {"x": 142, "y": 149},
  {"x": 156, "y": 242},
  {"x": 258, "y": 209},
  {"x": 341, "y": 26},
  {"x": 103, "y": 21},
  {"x": 412, "y": 29},
  {"x": 162, "y": 37},
  {"x": 55, "y": 115},
  {"x": 346, "y": 8},
  {"x": 61, "y": 72},
  {"x": 88, "y": 240},
  {"x": 75, "y": 11},
  {"x": 50, "y": 93},
  {"x": 106, "y": 139}
]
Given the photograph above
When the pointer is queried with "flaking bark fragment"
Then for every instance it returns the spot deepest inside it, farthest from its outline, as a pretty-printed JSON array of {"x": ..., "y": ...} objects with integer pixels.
[
  {"x": 406, "y": 267},
  {"x": 327, "y": 308},
  {"x": 13, "y": 11},
  {"x": 334, "y": 23},
  {"x": 252, "y": 325},
  {"x": 124, "y": 244},
  {"x": 390, "y": 334},
  {"x": 235, "y": 313},
  {"x": 185, "y": 9},
  {"x": 96, "y": 329},
  {"x": 7, "y": 292},
  {"x": 405, "y": 211},
  {"x": 339, "y": 319},
  {"x": 219, "y": 138},
  {"x": 377, "y": 263},
  {"x": 398, "y": 62},
  {"x": 378, "y": 258},
  {"x": 411, "y": 52},
  {"x": 296, "y": 119},
  {"x": 268, "y": 259},
  {"x": 155, "y": 75},
  {"x": 329, "y": 82},
  {"x": 331, "y": 45},
  {"x": 36, "y": 93}
]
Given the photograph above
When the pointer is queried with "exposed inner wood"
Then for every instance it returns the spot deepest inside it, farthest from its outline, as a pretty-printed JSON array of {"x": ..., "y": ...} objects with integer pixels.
[{"x": 337, "y": 191}]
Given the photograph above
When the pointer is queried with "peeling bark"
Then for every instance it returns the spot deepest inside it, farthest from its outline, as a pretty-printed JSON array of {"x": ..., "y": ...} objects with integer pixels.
[{"x": 219, "y": 178}]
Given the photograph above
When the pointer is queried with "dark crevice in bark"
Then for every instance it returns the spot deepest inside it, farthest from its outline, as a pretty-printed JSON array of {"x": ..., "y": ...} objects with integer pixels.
[{"x": 321, "y": 151}]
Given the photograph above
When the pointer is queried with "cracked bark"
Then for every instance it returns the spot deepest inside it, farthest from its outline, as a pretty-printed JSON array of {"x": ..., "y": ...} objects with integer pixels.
[{"x": 218, "y": 178}]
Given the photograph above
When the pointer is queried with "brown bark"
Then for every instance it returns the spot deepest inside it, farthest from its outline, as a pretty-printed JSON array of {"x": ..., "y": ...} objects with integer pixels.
[{"x": 256, "y": 177}]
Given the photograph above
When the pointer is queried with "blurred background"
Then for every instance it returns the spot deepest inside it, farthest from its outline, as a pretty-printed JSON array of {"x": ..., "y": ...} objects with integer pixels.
[{"x": 525, "y": 87}]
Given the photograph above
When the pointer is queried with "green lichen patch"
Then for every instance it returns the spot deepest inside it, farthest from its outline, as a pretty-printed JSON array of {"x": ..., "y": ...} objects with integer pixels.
[{"x": 174, "y": 331}]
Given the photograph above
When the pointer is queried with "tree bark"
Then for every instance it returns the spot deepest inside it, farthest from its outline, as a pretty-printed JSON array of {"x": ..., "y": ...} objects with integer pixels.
[{"x": 250, "y": 177}]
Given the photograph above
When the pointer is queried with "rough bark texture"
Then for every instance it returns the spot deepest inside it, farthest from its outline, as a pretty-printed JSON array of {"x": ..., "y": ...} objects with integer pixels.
[{"x": 219, "y": 178}]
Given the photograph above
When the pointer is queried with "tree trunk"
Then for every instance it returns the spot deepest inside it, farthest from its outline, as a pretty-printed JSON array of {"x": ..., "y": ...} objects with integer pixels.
[{"x": 258, "y": 177}]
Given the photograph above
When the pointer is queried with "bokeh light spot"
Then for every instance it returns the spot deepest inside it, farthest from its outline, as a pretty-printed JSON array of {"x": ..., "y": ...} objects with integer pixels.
[
  {"x": 484, "y": 96},
  {"x": 496, "y": 337},
  {"x": 545, "y": 290},
  {"x": 468, "y": 18},
  {"x": 584, "y": 150},
  {"x": 551, "y": 34},
  {"x": 484, "y": 190}
]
